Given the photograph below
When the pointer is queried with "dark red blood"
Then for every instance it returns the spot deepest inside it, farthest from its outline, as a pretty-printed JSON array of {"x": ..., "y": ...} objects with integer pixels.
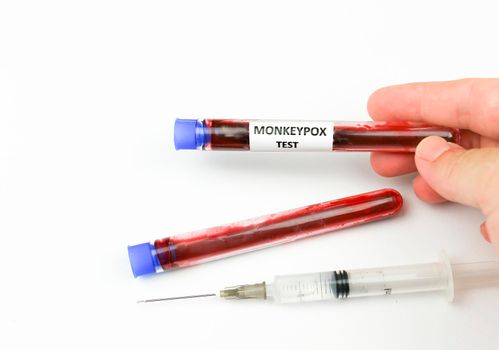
[
  {"x": 217, "y": 242},
  {"x": 387, "y": 136},
  {"x": 227, "y": 134},
  {"x": 392, "y": 136}
]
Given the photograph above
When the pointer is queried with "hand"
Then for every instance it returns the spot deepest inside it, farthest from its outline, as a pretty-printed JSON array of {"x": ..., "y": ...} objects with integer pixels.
[{"x": 467, "y": 174}]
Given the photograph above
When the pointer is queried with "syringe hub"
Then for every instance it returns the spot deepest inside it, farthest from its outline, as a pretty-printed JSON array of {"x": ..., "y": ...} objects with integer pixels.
[{"x": 245, "y": 291}]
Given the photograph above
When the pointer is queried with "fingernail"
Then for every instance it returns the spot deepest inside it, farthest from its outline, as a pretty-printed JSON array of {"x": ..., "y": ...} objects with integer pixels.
[
  {"x": 431, "y": 148},
  {"x": 485, "y": 232}
]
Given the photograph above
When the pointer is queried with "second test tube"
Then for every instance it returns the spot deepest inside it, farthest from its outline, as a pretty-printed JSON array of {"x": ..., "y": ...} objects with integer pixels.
[{"x": 221, "y": 241}]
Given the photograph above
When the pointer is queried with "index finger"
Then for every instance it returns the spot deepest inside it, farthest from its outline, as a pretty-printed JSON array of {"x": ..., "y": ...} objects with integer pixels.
[{"x": 471, "y": 104}]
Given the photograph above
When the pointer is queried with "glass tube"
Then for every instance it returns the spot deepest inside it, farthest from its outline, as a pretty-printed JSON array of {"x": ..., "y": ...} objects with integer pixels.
[
  {"x": 222, "y": 241},
  {"x": 291, "y": 135}
]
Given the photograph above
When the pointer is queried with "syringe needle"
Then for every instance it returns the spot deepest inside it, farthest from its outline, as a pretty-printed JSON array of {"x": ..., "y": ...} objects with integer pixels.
[{"x": 177, "y": 298}]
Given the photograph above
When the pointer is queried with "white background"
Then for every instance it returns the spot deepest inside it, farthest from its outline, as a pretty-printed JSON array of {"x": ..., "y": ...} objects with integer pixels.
[{"x": 89, "y": 91}]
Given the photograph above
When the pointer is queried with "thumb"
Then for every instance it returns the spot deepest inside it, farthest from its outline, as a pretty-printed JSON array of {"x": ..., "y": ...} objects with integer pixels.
[{"x": 470, "y": 177}]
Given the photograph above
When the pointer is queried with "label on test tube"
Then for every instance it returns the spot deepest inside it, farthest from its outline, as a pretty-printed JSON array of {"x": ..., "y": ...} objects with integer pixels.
[{"x": 293, "y": 136}]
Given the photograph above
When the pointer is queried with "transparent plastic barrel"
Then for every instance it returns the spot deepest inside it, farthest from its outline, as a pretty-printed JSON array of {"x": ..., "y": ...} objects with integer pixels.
[{"x": 343, "y": 284}]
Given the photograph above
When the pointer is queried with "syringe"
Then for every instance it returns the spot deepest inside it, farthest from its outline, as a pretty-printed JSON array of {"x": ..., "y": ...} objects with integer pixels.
[{"x": 342, "y": 284}]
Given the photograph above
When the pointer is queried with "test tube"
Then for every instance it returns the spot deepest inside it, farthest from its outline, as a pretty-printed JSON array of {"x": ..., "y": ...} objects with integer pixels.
[
  {"x": 303, "y": 135},
  {"x": 222, "y": 241}
]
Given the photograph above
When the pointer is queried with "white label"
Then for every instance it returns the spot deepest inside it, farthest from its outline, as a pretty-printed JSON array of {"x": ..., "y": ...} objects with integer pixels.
[{"x": 290, "y": 135}]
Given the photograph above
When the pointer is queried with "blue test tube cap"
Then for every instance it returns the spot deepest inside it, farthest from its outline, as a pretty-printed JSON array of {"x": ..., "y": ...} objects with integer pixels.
[
  {"x": 142, "y": 259},
  {"x": 188, "y": 134}
]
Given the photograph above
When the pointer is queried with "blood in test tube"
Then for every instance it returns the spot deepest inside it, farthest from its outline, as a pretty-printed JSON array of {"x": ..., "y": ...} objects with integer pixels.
[
  {"x": 396, "y": 136},
  {"x": 302, "y": 135},
  {"x": 222, "y": 241},
  {"x": 227, "y": 134}
]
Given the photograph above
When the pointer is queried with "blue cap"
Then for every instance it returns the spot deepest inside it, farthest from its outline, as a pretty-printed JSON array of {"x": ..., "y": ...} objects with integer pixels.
[
  {"x": 188, "y": 134},
  {"x": 143, "y": 259}
]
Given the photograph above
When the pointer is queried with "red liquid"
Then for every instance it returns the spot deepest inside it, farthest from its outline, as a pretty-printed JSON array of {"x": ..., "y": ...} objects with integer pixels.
[
  {"x": 228, "y": 134},
  {"x": 217, "y": 242},
  {"x": 393, "y": 136},
  {"x": 387, "y": 136}
]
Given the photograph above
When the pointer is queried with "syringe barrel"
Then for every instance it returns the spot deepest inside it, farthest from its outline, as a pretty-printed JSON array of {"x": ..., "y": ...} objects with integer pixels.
[
  {"x": 398, "y": 280},
  {"x": 222, "y": 241},
  {"x": 304, "y": 135},
  {"x": 343, "y": 284}
]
